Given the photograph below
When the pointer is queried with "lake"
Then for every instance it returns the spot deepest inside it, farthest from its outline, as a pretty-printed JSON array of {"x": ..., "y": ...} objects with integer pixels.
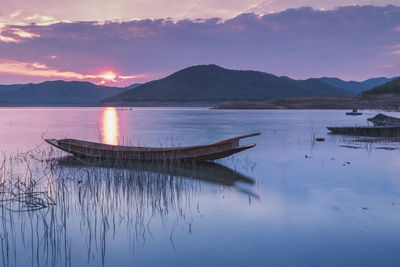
[{"x": 290, "y": 201}]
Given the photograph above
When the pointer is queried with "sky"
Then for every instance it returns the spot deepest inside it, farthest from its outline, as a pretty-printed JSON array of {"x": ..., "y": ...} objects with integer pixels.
[{"x": 122, "y": 42}]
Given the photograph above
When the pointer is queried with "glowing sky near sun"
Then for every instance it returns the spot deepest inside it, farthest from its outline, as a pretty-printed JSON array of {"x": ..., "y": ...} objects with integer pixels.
[
  {"x": 40, "y": 70},
  {"x": 123, "y": 42}
]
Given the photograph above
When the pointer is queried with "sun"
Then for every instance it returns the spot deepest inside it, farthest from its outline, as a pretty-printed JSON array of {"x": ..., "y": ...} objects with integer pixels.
[{"x": 110, "y": 76}]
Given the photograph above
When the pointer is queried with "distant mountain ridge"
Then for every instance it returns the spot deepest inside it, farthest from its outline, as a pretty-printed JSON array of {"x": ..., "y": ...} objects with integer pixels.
[
  {"x": 133, "y": 86},
  {"x": 392, "y": 87},
  {"x": 197, "y": 84},
  {"x": 11, "y": 87},
  {"x": 214, "y": 83},
  {"x": 56, "y": 92},
  {"x": 356, "y": 87}
]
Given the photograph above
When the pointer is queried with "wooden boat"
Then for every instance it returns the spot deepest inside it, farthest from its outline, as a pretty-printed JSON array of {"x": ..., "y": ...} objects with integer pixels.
[
  {"x": 387, "y": 131},
  {"x": 212, "y": 151}
]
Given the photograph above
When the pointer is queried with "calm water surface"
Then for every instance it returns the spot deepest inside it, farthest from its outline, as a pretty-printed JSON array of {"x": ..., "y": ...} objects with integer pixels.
[{"x": 289, "y": 201}]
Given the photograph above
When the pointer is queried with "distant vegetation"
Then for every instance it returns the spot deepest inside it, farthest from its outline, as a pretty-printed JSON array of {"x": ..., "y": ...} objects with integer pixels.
[
  {"x": 384, "y": 101},
  {"x": 213, "y": 83},
  {"x": 392, "y": 87},
  {"x": 385, "y": 96}
]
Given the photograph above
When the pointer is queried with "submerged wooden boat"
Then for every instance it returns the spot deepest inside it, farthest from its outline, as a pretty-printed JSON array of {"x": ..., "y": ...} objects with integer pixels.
[
  {"x": 384, "y": 120},
  {"x": 386, "y": 131},
  {"x": 212, "y": 151}
]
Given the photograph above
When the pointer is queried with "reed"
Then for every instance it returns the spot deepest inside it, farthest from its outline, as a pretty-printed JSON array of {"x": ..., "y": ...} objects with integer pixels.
[{"x": 46, "y": 197}]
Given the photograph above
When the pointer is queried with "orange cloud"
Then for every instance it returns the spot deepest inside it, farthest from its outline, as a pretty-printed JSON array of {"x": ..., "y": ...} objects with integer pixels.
[
  {"x": 24, "y": 34},
  {"x": 41, "y": 70},
  {"x": 9, "y": 31},
  {"x": 14, "y": 35},
  {"x": 7, "y": 39},
  {"x": 386, "y": 66}
]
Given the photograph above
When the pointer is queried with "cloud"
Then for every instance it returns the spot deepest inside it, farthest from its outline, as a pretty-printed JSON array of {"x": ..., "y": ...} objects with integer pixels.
[
  {"x": 386, "y": 66},
  {"x": 396, "y": 50},
  {"x": 350, "y": 42},
  {"x": 7, "y": 39},
  {"x": 269, "y": 6},
  {"x": 9, "y": 34},
  {"x": 105, "y": 10}
]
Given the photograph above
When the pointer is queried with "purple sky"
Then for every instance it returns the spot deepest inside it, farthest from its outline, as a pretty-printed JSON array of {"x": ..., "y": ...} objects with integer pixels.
[{"x": 352, "y": 42}]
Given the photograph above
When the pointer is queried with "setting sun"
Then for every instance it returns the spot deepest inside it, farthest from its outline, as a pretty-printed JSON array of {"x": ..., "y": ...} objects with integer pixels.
[{"x": 108, "y": 75}]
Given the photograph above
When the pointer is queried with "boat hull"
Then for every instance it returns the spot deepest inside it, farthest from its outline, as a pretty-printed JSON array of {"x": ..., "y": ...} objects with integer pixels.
[
  {"x": 387, "y": 131},
  {"x": 384, "y": 120},
  {"x": 213, "y": 151}
]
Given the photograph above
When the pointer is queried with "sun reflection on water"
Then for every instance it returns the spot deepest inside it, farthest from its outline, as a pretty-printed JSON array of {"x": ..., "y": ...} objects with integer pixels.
[{"x": 110, "y": 126}]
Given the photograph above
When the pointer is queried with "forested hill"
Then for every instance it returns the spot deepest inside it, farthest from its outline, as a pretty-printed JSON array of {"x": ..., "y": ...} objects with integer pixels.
[
  {"x": 214, "y": 83},
  {"x": 392, "y": 87}
]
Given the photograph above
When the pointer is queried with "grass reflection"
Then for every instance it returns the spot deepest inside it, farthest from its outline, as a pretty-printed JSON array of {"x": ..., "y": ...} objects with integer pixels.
[{"x": 92, "y": 202}]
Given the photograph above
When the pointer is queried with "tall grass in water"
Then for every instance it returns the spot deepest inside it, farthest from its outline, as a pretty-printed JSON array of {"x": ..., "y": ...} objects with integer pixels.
[{"x": 47, "y": 203}]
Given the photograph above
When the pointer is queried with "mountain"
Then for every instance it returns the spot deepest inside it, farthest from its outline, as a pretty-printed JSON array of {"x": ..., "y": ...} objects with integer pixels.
[
  {"x": 11, "y": 87},
  {"x": 211, "y": 83},
  {"x": 58, "y": 93},
  {"x": 133, "y": 86},
  {"x": 373, "y": 82},
  {"x": 353, "y": 86},
  {"x": 392, "y": 87}
]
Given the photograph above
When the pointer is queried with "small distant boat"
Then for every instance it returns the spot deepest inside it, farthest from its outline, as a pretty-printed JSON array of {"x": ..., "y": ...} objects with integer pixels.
[
  {"x": 212, "y": 151},
  {"x": 354, "y": 112}
]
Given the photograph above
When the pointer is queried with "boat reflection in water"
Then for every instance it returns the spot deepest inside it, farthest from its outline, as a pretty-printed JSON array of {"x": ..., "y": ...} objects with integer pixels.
[
  {"x": 204, "y": 171},
  {"x": 100, "y": 204},
  {"x": 110, "y": 126}
]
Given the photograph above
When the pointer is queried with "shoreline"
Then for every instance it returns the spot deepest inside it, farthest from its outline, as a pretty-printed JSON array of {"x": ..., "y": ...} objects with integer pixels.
[
  {"x": 379, "y": 102},
  {"x": 120, "y": 104}
]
